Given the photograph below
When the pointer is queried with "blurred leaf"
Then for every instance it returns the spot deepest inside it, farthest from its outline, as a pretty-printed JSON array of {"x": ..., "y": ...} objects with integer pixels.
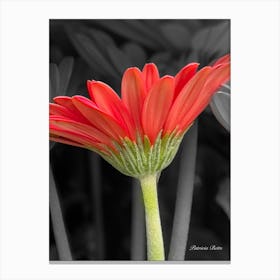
[
  {"x": 192, "y": 57},
  {"x": 182, "y": 61},
  {"x": 153, "y": 26},
  {"x": 135, "y": 53},
  {"x": 51, "y": 144},
  {"x": 59, "y": 80},
  {"x": 161, "y": 57},
  {"x": 162, "y": 60},
  {"x": 89, "y": 51},
  {"x": 223, "y": 196},
  {"x": 58, "y": 225},
  {"x": 54, "y": 80},
  {"x": 119, "y": 59},
  {"x": 113, "y": 59},
  {"x": 184, "y": 196},
  {"x": 134, "y": 30},
  {"x": 220, "y": 38},
  {"x": 138, "y": 249},
  {"x": 177, "y": 34},
  {"x": 65, "y": 71},
  {"x": 220, "y": 106},
  {"x": 56, "y": 54},
  {"x": 60, "y": 77},
  {"x": 101, "y": 38},
  {"x": 53, "y": 88},
  {"x": 94, "y": 162},
  {"x": 81, "y": 73},
  {"x": 141, "y": 28},
  {"x": 192, "y": 25},
  {"x": 213, "y": 41}
]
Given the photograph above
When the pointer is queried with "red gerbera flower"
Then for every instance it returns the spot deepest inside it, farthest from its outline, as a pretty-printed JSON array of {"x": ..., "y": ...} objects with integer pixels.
[{"x": 140, "y": 132}]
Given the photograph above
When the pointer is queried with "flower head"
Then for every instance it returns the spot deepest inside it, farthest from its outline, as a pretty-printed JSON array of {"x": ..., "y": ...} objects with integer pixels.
[{"x": 140, "y": 132}]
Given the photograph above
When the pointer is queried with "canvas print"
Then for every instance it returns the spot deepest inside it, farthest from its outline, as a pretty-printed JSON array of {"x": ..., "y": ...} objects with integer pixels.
[{"x": 139, "y": 130}]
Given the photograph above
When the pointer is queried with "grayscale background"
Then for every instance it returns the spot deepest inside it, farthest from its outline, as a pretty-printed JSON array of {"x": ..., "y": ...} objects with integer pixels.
[{"x": 96, "y": 199}]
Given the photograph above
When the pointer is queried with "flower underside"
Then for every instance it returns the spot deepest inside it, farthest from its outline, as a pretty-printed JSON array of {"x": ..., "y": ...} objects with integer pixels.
[
  {"x": 140, "y": 130},
  {"x": 139, "y": 158}
]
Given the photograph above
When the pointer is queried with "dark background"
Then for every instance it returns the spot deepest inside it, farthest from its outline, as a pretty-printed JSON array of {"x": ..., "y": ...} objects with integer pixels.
[{"x": 96, "y": 199}]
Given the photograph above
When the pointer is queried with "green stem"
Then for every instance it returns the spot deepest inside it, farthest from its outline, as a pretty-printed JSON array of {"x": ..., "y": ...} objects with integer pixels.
[{"x": 155, "y": 245}]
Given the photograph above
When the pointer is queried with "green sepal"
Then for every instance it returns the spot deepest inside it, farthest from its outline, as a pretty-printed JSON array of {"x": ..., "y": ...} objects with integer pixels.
[{"x": 140, "y": 158}]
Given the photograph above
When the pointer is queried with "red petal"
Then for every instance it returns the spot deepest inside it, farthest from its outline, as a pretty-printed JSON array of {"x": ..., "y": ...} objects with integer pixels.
[
  {"x": 104, "y": 122},
  {"x": 74, "y": 136},
  {"x": 156, "y": 107},
  {"x": 185, "y": 99},
  {"x": 222, "y": 60},
  {"x": 150, "y": 75},
  {"x": 84, "y": 130},
  {"x": 55, "y": 109},
  {"x": 66, "y": 102},
  {"x": 184, "y": 75},
  {"x": 105, "y": 98},
  {"x": 109, "y": 102},
  {"x": 89, "y": 88},
  {"x": 133, "y": 94},
  {"x": 65, "y": 141},
  {"x": 220, "y": 75}
]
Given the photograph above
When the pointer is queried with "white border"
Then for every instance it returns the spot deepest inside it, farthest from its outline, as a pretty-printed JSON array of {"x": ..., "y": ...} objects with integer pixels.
[{"x": 24, "y": 134}]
